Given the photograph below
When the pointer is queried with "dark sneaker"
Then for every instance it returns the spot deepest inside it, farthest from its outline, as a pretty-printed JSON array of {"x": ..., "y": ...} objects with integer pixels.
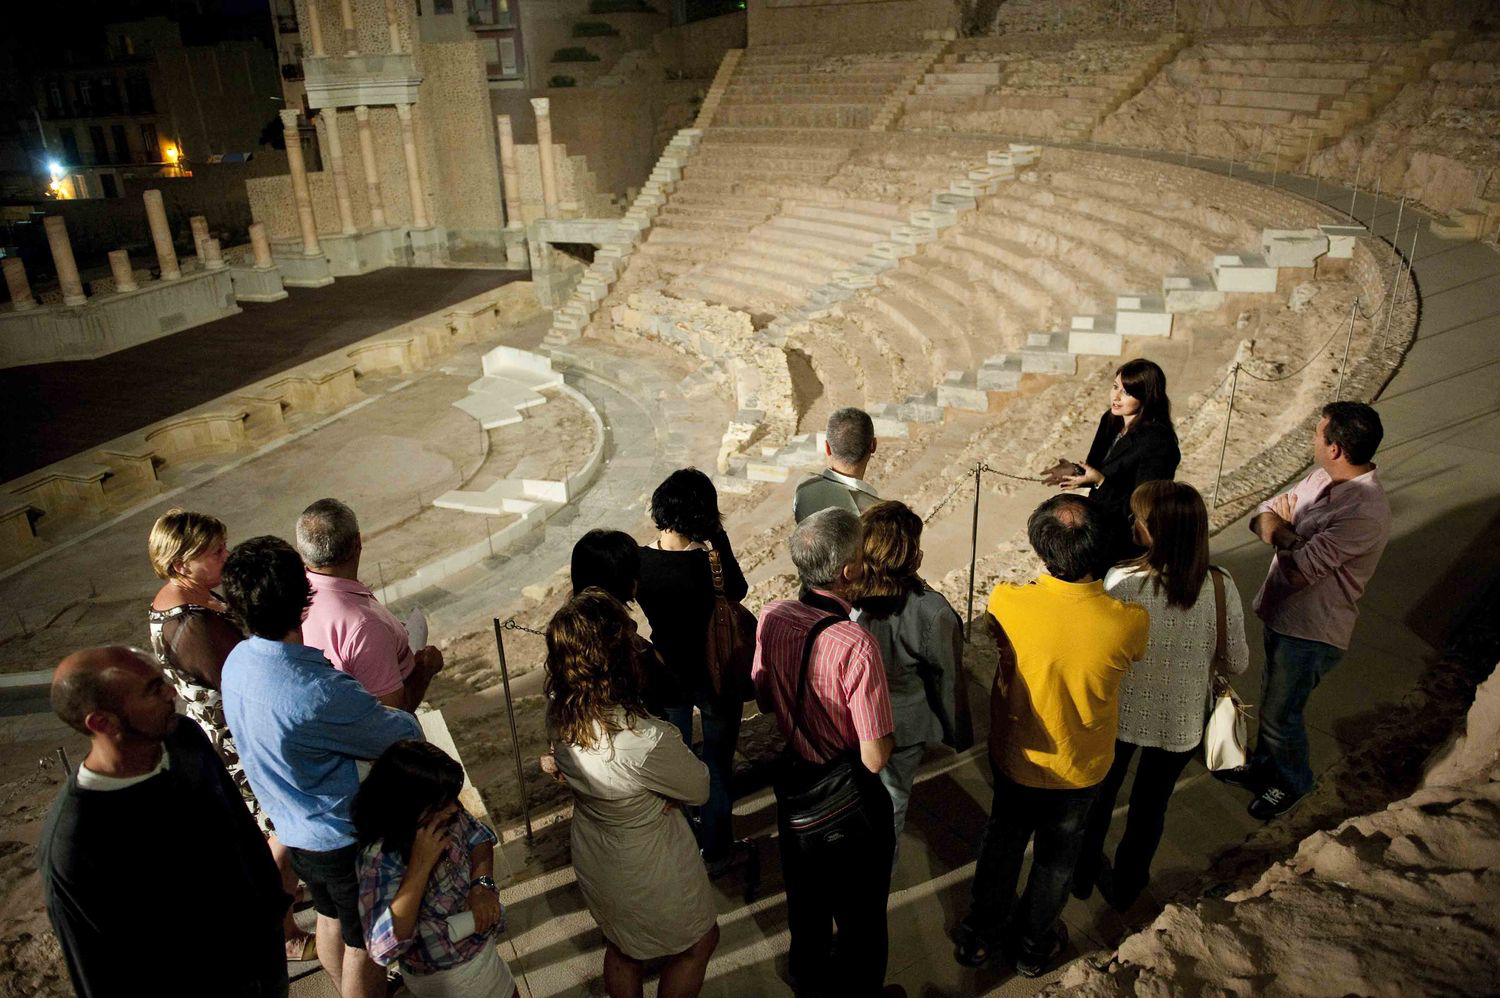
[
  {"x": 1086, "y": 875},
  {"x": 1244, "y": 777},
  {"x": 1119, "y": 896},
  {"x": 1273, "y": 802},
  {"x": 1028, "y": 965}
]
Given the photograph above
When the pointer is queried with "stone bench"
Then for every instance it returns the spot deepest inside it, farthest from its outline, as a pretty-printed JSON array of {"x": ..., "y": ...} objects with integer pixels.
[
  {"x": 1096, "y": 335},
  {"x": 1293, "y": 247},
  {"x": 1048, "y": 353},
  {"x": 1190, "y": 293},
  {"x": 1139, "y": 315},
  {"x": 1275, "y": 99}
]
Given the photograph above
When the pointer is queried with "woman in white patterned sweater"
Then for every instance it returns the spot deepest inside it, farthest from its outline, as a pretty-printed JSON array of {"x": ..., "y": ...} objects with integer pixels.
[{"x": 1163, "y": 697}]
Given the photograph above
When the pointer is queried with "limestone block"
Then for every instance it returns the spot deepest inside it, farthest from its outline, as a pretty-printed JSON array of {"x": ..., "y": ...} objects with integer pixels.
[
  {"x": 921, "y": 409},
  {"x": 960, "y": 391},
  {"x": 934, "y": 217},
  {"x": 873, "y": 264},
  {"x": 914, "y": 234},
  {"x": 1191, "y": 294},
  {"x": 593, "y": 292},
  {"x": 956, "y": 203},
  {"x": 763, "y": 471},
  {"x": 1023, "y": 155},
  {"x": 666, "y": 172},
  {"x": 1244, "y": 273},
  {"x": 828, "y": 294},
  {"x": 1341, "y": 239},
  {"x": 1092, "y": 323},
  {"x": 892, "y": 250},
  {"x": 992, "y": 174},
  {"x": 1000, "y": 159},
  {"x": 1136, "y": 315},
  {"x": 974, "y": 189},
  {"x": 1292, "y": 247},
  {"x": 1097, "y": 343},
  {"x": 853, "y": 279},
  {"x": 1048, "y": 353},
  {"x": 1000, "y": 373}
]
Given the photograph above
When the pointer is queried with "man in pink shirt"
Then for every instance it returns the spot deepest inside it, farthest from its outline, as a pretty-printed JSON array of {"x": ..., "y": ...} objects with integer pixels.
[
  {"x": 346, "y": 623},
  {"x": 833, "y": 707},
  {"x": 1327, "y": 533}
]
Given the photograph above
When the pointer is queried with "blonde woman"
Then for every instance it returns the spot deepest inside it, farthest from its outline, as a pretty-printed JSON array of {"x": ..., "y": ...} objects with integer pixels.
[
  {"x": 1162, "y": 697},
  {"x": 634, "y": 855},
  {"x": 192, "y": 634},
  {"x": 921, "y": 643}
]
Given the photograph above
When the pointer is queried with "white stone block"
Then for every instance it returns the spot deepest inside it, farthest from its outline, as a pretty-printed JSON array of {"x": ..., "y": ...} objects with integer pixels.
[
  {"x": 1021, "y": 155},
  {"x": 1244, "y": 273},
  {"x": 1002, "y": 159},
  {"x": 956, "y": 203},
  {"x": 914, "y": 234},
  {"x": 960, "y": 391},
  {"x": 1144, "y": 322},
  {"x": 1101, "y": 344},
  {"x": 1292, "y": 247},
  {"x": 764, "y": 471},
  {"x": 1190, "y": 294},
  {"x": 1047, "y": 353},
  {"x": 971, "y": 188},
  {"x": 1001, "y": 373},
  {"x": 892, "y": 250},
  {"x": 1341, "y": 239},
  {"x": 934, "y": 218}
]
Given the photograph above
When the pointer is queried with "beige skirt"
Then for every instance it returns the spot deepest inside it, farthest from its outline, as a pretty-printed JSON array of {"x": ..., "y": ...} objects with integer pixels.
[{"x": 485, "y": 976}]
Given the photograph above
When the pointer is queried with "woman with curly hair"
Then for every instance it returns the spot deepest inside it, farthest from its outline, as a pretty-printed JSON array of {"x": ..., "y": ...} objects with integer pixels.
[{"x": 634, "y": 856}]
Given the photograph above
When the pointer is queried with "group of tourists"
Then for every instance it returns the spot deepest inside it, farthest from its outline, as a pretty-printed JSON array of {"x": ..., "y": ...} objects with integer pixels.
[{"x": 304, "y": 770}]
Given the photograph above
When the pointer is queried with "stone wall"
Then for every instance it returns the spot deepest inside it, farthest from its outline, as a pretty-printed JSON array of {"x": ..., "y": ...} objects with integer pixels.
[
  {"x": 462, "y": 156},
  {"x": 695, "y": 49}
]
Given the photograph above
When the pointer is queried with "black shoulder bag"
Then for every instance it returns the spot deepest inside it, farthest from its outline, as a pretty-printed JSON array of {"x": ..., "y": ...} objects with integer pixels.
[{"x": 821, "y": 803}]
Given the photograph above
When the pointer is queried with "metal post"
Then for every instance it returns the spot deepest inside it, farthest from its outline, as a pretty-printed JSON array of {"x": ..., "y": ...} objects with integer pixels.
[
  {"x": 62, "y": 757},
  {"x": 1318, "y": 187},
  {"x": 380, "y": 568},
  {"x": 1411, "y": 261},
  {"x": 1375, "y": 208},
  {"x": 515, "y": 739},
  {"x": 1338, "y": 392},
  {"x": 1397, "y": 232},
  {"x": 973, "y": 552},
  {"x": 1234, "y": 383},
  {"x": 1307, "y": 160},
  {"x": 1354, "y": 194}
]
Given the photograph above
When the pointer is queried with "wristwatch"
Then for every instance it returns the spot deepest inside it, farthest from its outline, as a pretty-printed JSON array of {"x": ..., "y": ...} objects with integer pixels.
[{"x": 485, "y": 881}]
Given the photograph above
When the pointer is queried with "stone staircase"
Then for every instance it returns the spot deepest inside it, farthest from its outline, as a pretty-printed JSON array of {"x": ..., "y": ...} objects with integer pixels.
[
  {"x": 895, "y": 103},
  {"x": 570, "y": 318},
  {"x": 716, "y": 89},
  {"x": 810, "y": 86}
]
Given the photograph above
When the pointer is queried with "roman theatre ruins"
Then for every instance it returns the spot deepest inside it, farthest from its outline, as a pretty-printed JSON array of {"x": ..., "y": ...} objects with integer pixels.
[{"x": 961, "y": 217}]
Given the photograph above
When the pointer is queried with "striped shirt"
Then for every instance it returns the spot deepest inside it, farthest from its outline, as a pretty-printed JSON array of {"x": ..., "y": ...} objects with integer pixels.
[{"x": 844, "y": 676}]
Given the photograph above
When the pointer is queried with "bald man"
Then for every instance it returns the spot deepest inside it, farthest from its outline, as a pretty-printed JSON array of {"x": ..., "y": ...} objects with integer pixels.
[{"x": 153, "y": 871}]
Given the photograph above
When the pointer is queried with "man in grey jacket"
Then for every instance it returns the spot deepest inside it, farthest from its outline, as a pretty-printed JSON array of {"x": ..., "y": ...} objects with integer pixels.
[{"x": 849, "y": 444}]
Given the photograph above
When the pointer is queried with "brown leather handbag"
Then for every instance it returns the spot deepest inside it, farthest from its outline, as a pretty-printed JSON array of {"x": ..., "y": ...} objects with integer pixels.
[{"x": 730, "y": 648}]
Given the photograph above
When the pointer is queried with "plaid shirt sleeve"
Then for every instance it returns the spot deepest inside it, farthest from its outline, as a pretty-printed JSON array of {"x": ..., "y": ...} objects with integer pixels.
[{"x": 380, "y": 875}]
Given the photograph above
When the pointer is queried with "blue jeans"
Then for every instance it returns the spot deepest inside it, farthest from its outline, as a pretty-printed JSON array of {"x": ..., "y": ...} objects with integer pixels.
[
  {"x": 898, "y": 775},
  {"x": 1294, "y": 667},
  {"x": 712, "y": 823},
  {"x": 1053, "y": 821}
]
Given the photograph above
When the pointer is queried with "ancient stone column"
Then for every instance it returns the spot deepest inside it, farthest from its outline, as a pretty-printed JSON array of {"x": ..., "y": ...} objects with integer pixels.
[
  {"x": 314, "y": 30},
  {"x": 119, "y": 266},
  {"x": 15, "y": 280},
  {"x": 260, "y": 246},
  {"x": 199, "y": 225},
  {"x": 300, "y": 193},
  {"x": 346, "y": 12},
  {"x": 62, "y": 260},
  {"x": 334, "y": 143},
  {"x": 161, "y": 235},
  {"x": 372, "y": 177},
  {"x": 392, "y": 25},
  {"x": 510, "y": 176},
  {"x": 413, "y": 177},
  {"x": 543, "y": 108},
  {"x": 213, "y": 256}
]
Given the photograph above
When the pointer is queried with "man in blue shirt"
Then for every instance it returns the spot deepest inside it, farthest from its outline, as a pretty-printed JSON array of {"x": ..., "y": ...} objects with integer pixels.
[{"x": 300, "y": 726}]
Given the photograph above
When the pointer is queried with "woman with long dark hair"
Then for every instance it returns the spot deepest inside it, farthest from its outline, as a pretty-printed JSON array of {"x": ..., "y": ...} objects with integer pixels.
[
  {"x": 1163, "y": 696},
  {"x": 921, "y": 643},
  {"x": 630, "y": 774},
  {"x": 1135, "y": 443},
  {"x": 676, "y": 593},
  {"x": 427, "y": 894}
]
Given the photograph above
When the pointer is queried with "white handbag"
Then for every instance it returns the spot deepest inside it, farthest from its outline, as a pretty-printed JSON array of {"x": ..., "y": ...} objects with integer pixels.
[{"x": 1225, "y": 736}]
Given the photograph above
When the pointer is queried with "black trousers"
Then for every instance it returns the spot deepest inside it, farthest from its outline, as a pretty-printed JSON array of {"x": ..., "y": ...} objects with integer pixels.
[
  {"x": 1155, "y": 778},
  {"x": 844, "y": 884}
]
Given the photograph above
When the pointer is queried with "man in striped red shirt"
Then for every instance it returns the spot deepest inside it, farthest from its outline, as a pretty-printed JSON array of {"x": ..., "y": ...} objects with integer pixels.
[{"x": 845, "y": 711}]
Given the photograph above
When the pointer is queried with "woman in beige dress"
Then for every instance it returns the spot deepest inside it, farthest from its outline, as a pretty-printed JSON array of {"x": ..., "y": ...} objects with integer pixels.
[{"x": 634, "y": 856}]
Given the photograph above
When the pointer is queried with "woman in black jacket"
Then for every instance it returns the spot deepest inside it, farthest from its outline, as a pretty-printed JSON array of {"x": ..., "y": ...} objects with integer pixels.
[
  {"x": 1135, "y": 443},
  {"x": 677, "y": 595}
]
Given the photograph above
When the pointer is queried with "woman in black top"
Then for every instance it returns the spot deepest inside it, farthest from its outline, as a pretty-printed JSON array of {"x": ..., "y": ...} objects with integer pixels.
[
  {"x": 677, "y": 595},
  {"x": 1135, "y": 443}
]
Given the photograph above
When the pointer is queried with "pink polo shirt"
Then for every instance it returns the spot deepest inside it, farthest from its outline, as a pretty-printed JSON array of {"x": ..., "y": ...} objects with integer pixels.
[{"x": 358, "y": 635}]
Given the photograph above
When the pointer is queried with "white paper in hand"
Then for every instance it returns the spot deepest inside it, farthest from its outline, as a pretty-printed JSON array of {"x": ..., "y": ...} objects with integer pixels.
[
  {"x": 460, "y": 926},
  {"x": 416, "y": 630}
]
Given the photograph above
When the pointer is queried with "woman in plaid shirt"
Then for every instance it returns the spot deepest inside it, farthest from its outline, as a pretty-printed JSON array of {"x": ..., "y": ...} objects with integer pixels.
[{"x": 426, "y": 860}]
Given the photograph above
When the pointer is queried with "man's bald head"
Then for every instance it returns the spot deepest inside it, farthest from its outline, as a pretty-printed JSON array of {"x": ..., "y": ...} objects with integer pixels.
[
  {"x": 97, "y": 679},
  {"x": 1071, "y": 536}
]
